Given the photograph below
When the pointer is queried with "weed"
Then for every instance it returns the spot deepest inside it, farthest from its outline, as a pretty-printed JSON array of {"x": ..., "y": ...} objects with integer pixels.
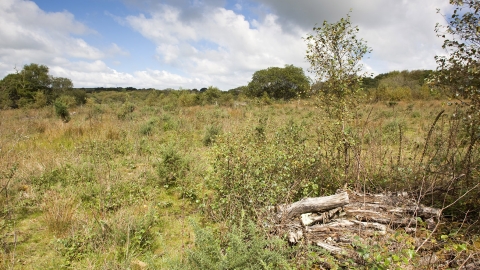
[{"x": 58, "y": 212}]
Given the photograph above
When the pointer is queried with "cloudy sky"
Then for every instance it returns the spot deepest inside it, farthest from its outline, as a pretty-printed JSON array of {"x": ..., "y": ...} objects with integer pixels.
[{"x": 200, "y": 43}]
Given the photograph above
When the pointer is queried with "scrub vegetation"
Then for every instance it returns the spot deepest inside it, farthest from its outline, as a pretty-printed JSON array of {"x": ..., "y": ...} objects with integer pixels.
[
  {"x": 107, "y": 192},
  {"x": 183, "y": 179}
]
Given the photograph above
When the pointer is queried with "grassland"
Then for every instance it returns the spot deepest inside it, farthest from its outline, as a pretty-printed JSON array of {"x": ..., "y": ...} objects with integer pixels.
[{"x": 119, "y": 185}]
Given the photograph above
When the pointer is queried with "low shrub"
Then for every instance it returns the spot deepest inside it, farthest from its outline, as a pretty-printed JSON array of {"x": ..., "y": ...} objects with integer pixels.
[
  {"x": 61, "y": 111},
  {"x": 211, "y": 132},
  {"x": 244, "y": 247},
  {"x": 172, "y": 167},
  {"x": 125, "y": 111},
  {"x": 251, "y": 172}
]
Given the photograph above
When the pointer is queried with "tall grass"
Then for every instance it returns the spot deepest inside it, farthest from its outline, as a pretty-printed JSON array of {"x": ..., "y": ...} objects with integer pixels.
[{"x": 117, "y": 184}]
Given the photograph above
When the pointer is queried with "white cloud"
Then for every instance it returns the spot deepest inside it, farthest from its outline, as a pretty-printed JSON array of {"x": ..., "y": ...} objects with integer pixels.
[
  {"x": 115, "y": 50},
  {"x": 98, "y": 74},
  {"x": 401, "y": 33},
  {"x": 201, "y": 43},
  {"x": 221, "y": 47},
  {"x": 30, "y": 35}
]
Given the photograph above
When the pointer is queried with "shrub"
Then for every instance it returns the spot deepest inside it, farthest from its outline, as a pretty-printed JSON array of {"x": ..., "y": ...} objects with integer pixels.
[
  {"x": 40, "y": 100},
  {"x": 245, "y": 247},
  {"x": 172, "y": 167},
  {"x": 251, "y": 172},
  {"x": 62, "y": 111},
  {"x": 67, "y": 100},
  {"x": 169, "y": 122},
  {"x": 147, "y": 128},
  {"x": 125, "y": 111},
  {"x": 211, "y": 132}
]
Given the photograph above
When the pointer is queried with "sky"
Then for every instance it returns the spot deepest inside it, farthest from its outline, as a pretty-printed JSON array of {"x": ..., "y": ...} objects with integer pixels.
[{"x": 186, "y": 44}]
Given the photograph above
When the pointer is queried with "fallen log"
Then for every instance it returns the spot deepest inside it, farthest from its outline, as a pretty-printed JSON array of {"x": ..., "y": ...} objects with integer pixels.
[
  {"x": 312, "y": 218},
  {"x": 311, "y": 205},
  {"x": 330, "y": 248},
  {"x": 343, "y": 225}
]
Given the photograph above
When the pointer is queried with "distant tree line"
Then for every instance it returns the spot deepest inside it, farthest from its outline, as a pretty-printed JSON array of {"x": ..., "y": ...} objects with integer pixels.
[
  {"x": 400, "y": 85},
  {"x": 34, "y": 87}
]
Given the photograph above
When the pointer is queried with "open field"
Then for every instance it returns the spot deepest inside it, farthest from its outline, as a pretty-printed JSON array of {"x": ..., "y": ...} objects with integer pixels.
[{"x": 121, "y": 183}]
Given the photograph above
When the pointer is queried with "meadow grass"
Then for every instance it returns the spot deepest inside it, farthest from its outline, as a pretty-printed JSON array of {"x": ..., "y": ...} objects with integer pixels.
[{"x": 118, "y": 185}]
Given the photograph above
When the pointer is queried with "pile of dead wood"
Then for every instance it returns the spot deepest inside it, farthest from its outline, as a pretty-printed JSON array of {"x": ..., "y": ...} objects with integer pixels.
[{"x": 336, "y": 220}]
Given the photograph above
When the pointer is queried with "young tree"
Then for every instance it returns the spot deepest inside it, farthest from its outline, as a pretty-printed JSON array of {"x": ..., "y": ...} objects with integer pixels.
[
  {"x": 459, "y": 71},
  {"x": 334, "y": 53}
]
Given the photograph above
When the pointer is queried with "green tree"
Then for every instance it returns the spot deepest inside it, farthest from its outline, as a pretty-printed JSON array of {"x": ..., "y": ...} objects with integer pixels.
[
  {"x": 61, "y": 86},
  {"x": 279, "y": 83},
  {"x": 334, "y": 53},
  {"x": 23, "y": 87},
  {"x": 35, "y": 78},
  {"x": 9, "y": 96},
  {"x": 459, "y": 72}
]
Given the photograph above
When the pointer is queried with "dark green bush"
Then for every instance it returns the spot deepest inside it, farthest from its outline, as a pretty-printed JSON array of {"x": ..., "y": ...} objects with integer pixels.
[
  {"x": 245, "y": 247},
  {"x": 61, "y": 111},
  {"x": 172, "y": 167}
]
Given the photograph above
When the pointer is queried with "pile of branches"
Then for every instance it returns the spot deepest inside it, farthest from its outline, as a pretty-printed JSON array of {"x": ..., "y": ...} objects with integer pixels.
[{"x": 333, "y": 222}]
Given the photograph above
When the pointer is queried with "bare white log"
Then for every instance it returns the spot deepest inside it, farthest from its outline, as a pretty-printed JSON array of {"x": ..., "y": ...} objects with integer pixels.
[
  {"x": 311, "y": 218},
  {"x": 419, "y": 210},
  {"x": 330, "y": 248},
  {"x": 347, "y": 224},
  {"x": 311, "y": 205}
]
